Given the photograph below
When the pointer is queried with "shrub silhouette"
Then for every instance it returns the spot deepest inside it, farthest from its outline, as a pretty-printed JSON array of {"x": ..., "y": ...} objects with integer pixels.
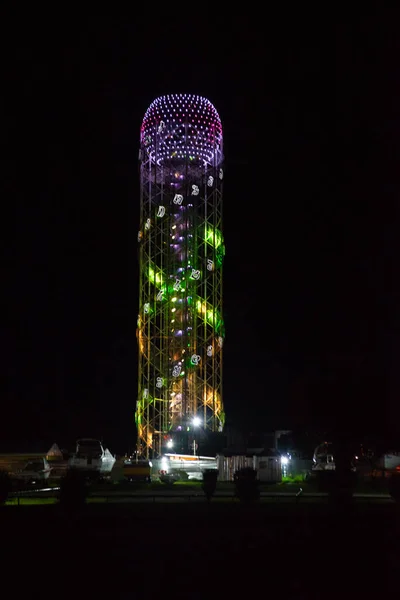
[
  {"x": 209, "y": 484},
  {"x": 343, "y": 486},
  {"x": 246, "y": 485},
  {"x": 5, "y": 486},
  {"x": 325, "y": 480},
  {"x": 394, "y": 487},
  {"x": 344, "y": 478},
  {"x": 339, "y": 484},
  {"x": 168, "y": 479},
  {"x": 73, "y": 491}
]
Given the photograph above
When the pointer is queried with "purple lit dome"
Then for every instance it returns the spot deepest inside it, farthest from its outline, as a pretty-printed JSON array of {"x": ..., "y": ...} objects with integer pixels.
[{"x": 182, "y": 126}]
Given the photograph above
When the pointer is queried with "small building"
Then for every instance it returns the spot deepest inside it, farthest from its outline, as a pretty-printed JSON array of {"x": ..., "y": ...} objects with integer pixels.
[{"x": 267, "y": 463}]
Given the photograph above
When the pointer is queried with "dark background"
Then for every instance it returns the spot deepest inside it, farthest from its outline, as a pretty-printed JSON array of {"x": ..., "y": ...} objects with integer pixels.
[{"x": 311, "y": 129}]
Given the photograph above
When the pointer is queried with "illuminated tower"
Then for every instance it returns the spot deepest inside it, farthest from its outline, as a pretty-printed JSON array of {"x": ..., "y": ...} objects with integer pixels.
[{"x": 180, "y": 327}]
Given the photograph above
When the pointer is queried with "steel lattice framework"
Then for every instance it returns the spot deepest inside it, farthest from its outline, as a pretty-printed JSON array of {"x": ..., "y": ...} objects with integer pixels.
[{"x": 180, "y": 327}]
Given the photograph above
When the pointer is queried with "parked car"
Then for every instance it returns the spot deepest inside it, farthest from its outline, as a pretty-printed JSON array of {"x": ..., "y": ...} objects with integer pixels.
[
  {"x": 35, "y": 472},
  {"x": 137, "y": 470}
]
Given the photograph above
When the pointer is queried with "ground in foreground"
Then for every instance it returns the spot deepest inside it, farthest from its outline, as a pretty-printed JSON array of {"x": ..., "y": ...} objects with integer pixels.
[{"x": 203, "y": 551}]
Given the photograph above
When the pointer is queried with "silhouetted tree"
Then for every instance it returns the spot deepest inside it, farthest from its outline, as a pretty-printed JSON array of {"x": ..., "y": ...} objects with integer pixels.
[
  {"x": 344, "y": 478},
  {"x": 5, "y": 486},
  {"x": 73, "y": 491},
  {"x": 209, "y": 484},
  {"x": 394, "y": 487},
  {"x": 246, "y": 485}
]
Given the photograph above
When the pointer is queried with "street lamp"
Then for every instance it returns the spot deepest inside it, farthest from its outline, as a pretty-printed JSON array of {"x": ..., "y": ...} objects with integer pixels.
[{"x": 196, "y": 422}]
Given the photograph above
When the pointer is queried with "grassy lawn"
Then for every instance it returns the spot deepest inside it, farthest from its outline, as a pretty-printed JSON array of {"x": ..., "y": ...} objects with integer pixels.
[
  {"x": 30, "y": 501},
  {"x": 288, "y": 486}
]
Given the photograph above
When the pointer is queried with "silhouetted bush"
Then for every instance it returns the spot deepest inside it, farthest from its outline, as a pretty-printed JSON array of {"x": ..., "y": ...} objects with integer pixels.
[
  {"x": 73, "y": 491},
  {"x": 168, "y": 478},
  {"x": 378, "y": 481},
  {"x": 344, "y": 483},
  {"x": 209, "y": 483},
  {"x": 246, "y": 485},
  {"x": 181, "y": 475},
  {"x": 5, "y": 486},
  {"x": 325, "y": 480},
  {"x": 339, "y": 485},
  {"x": 394, "y": 487}
]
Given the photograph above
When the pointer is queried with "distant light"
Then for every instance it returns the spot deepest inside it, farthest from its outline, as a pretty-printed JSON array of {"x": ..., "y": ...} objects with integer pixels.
[
  {"x": 284, "y": 460},
  {"x": 196, "y": 421},
  {"x": 170, "y": 443}
]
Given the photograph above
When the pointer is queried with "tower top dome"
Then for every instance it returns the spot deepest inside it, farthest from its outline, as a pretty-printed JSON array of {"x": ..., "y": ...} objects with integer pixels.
[{"x": 181, "y": 127}]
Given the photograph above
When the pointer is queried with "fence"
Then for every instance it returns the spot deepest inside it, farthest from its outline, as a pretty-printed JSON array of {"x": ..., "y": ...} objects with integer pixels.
[{"x": 268, "y": 467}]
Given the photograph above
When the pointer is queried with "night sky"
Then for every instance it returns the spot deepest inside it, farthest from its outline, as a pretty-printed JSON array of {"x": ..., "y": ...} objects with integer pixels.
[{"x": 311, "y": 220}]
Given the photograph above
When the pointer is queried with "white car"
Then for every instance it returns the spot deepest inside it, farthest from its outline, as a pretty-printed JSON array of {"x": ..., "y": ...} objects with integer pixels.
[{"x": 34, "y": 472}]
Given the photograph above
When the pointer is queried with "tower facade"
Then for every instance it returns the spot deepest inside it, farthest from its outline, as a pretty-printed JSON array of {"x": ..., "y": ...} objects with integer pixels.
[{"x": 180, "y": 328}]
